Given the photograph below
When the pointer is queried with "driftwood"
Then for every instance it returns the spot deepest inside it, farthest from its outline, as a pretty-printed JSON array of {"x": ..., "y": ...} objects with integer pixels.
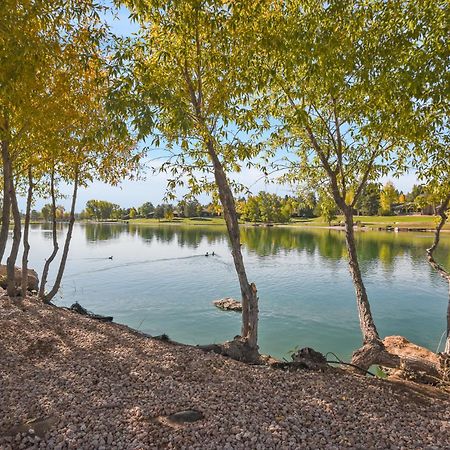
[
  {"x": 237, "y": 349},
  {"x": 303, "y": 359},
  {"x": 399, "y": 356},
  {"x": 311, "y": 359},
  {"x": 76, "y": 307}
]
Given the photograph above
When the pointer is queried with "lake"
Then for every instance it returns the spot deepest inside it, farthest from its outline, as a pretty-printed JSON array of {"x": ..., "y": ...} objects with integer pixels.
[{"x": 159, "y": 281}]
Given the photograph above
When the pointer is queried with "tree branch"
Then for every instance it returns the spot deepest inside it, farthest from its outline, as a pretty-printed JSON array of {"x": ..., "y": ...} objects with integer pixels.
[
  {"x": 430, "y": 251},
  {"x": 340, "y": 167}
]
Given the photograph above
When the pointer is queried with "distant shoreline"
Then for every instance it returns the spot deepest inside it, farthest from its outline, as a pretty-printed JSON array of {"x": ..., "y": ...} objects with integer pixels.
[
  {"x": 399, "y": 224},
  {"x": 370, "y": 223}
]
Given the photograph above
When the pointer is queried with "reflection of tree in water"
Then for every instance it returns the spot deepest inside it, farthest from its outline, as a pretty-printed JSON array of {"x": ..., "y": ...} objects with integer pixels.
[
  {"x": 147, "y": 234},
  {"x": 386, "y": 247},
  {"x": 373, "y": 247},
  {"x": 331, "y": 245},
  {"x": 190, "y": 237},
  {"x": 271, "y": 241},
  {"x": 47, "y": 228},
  {"x": 103, "y": 231},
  {"x": 165, "y": 234}
]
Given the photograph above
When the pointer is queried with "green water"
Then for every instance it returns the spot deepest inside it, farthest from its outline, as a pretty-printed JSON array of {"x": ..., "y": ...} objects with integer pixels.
[{"x": 160, "y": 282}]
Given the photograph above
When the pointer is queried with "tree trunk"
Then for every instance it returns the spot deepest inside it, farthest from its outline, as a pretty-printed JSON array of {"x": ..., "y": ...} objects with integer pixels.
[
  {"x": 366, "y": 322},
  {"x": 441, "y": 211},
  {"x": 26, "y": 230},
  {"x": 249, "y": 293},
  {"x": 447, "y": 341},
  {"x": 11, "y": 261},
  {"x": 55, "y": 239},
  {"x": 62, "y": 265},
  {"x": 373, "y": 350},
  {"x": 6, "y": 207}
]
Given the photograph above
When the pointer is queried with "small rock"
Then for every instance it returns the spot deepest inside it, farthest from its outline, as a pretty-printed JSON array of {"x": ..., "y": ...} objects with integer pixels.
[
  {"x": 228, "y": 304},
  {"x": 189, "y": 415}
]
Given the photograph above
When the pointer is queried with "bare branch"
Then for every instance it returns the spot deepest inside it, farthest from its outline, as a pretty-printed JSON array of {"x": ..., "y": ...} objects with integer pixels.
[{"x": 430, "y": 251}]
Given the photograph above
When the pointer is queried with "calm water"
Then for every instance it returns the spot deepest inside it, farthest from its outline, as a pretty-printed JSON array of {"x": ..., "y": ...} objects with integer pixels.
[{"x": 160, "y": 282}]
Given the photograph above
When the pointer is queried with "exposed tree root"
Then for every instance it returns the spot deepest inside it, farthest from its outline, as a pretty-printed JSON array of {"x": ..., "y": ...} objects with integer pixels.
[
  {"x": 237, "y": 349},
  {"x": 410, "y": 366}
]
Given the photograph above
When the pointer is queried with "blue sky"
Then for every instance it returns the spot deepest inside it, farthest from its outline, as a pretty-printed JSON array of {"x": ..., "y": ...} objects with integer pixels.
[{"x": 153, "y": 187}]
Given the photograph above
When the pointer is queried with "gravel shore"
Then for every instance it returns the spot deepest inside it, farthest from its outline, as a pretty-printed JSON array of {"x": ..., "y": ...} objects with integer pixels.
[{"x": 69, "y": 382}]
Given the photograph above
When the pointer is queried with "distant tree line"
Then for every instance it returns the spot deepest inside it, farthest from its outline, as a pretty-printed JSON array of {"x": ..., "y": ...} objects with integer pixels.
[
  {"x": 103, "y": 210},
  {"x": 375, "y": 199}
]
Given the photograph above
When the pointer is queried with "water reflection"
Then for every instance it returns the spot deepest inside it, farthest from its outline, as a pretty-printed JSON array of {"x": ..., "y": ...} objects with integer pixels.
[
  {"x": 159, "y": 273},
  {"x": 46, "y": 229},
  {"x": 103, "y": 231},
  {"x": 372, "y": 246},
  {"x": 330, "y": 244},
  {"x": 190, "y": 237}
]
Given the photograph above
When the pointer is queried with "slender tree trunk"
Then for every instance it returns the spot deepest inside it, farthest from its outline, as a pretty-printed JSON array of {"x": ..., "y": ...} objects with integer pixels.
[
  {"x": 373, "y": 350},
  {"x": 11, "y": 261},
  {"x": 249, "y": 331},
  {"x": 366, "y": 322},
  {"x": 55, "y": 239},
  {"x": 48, "y": 297},
  {"x": 441, "y": 211},
  {"x": 26, "y": 231},
  {"x": 6, "y": 207},
  {"x": 248, "y": 290},
  {"x": 447, "y": 341}
]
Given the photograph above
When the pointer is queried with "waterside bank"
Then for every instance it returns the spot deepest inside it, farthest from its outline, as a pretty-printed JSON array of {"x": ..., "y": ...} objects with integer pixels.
[
  {"x": 71, "y": 382},
  {"x": 362, "y": 223}
]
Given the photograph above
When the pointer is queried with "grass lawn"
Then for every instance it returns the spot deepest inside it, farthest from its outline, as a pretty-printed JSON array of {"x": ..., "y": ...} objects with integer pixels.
[
  {"x": 369, "y": 221},
  {"x": 378, "y": 221}
]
